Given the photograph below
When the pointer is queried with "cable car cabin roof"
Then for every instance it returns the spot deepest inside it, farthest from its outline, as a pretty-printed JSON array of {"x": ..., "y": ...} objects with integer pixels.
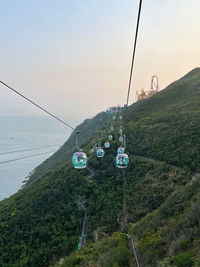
[
  {"x": 79, "y": 160},
  {"x": 122, "y": 161}
]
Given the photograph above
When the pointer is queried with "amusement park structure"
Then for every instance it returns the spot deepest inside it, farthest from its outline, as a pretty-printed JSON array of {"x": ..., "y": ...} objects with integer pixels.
[{"x": 153, "y": 89}]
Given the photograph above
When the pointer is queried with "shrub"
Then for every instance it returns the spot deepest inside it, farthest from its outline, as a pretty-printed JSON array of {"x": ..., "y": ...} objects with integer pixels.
[{"x": 183, "y": 259}]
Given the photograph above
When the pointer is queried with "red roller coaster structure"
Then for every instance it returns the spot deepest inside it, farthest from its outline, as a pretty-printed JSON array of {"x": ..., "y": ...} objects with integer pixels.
[{"x": 153, "y": 89}]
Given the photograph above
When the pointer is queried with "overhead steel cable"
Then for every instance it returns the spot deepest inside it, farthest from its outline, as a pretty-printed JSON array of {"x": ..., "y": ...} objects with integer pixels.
[
  {"x": 29, "y": 100},
  {"x": 126, "y": 110},
  {"x": 133, "y": 58},
  {"x": 26, "y": 157},
  {"x": 27, "y": 149},
  {"x": 124, "y": 206}
]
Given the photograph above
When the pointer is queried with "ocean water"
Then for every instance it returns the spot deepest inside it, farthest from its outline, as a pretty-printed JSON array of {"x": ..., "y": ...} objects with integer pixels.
[{"x": 41, "y": 134}]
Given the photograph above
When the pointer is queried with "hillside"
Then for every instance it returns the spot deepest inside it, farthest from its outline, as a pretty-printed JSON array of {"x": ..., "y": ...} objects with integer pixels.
[
  {"x": 86, "y": 129},
  {"x": 169, "y": 119},
  {"x": 43, "y": 222},
  {"x": 166, "y": 126}
]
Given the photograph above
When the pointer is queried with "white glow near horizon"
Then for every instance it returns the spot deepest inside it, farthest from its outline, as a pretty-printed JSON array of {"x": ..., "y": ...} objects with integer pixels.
[{"x": 74, "y": 58}]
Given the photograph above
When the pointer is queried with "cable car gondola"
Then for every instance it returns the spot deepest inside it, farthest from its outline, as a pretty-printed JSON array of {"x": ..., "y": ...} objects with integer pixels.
[
  {"x": 112, "y": 128},
  {"x": 100, "y": 152},
  {"x": 79, "y": 160},
  {"x": 107, "y": 145},
  {"x": 110, "y": 137},
  {"x": 114, "y": 117},
  {"x": 122, "y": 161},
  {"x": 120, "y": 150}
]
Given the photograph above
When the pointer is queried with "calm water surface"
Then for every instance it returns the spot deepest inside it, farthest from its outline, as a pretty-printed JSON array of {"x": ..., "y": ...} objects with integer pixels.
[{"x": 18, "y": 133}]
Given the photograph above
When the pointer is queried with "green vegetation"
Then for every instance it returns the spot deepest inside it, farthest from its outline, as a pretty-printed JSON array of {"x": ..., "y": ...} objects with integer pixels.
[
  {"x": 42, "y": 222},
  {"x": 110, "y": 252},
  {"x": 167, "y": 126},
  {"x": 173, "y": 229}
]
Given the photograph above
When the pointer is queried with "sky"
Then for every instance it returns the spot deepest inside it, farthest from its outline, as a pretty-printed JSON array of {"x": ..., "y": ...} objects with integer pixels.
[{"x": 73, "y": 56}]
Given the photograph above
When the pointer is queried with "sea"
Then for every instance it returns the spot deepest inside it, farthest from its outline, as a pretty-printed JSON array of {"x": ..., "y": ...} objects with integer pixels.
[{"x": 25, "y": 142}]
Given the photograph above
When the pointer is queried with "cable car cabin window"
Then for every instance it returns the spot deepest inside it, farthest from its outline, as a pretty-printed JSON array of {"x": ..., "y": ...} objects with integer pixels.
[
  {"x": 79, "y": 160},
  {"x": 122, "y": 160}
]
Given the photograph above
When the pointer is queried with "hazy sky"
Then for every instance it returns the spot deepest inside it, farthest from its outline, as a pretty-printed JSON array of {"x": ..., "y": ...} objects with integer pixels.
[{"x": 73, "y": 56}]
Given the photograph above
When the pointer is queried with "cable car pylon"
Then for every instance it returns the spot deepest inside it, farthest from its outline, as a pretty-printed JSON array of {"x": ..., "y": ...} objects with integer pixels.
[{"x": 82, "y": 238}]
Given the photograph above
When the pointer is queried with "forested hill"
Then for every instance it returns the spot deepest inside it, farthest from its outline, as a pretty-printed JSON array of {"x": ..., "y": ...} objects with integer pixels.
[
  {"x": 167, "y": 126},
  {"x": 42, "y": 223},
  {"x": 168, "y": 120}
]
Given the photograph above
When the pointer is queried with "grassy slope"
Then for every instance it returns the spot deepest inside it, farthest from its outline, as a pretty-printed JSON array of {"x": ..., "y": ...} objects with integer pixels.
[
  {"x": 41, "y": 223},
  {"x": 167, "y": 126},
  {"x": 110, "y": 252},
  {"x": 171, "y": 234}
]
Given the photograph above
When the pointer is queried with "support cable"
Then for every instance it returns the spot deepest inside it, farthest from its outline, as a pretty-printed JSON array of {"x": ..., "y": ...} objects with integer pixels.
[
  {"x": 38, "y": 106},
  {"x": 25, "y": 157},
  {"x": 27, "y": 149},
  {"x": 125, "y": 117},
  {"x": 134, "y": 250},
  {"x": 82, "y": 239},
  {"x": 124, "y": 210},
  {"x": 133, "y": 59}
]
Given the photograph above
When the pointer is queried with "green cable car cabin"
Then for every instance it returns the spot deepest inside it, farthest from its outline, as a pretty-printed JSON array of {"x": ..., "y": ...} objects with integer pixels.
[
  {"x": 79, "y": 160},
  {"x": 122, "y": 161}
]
